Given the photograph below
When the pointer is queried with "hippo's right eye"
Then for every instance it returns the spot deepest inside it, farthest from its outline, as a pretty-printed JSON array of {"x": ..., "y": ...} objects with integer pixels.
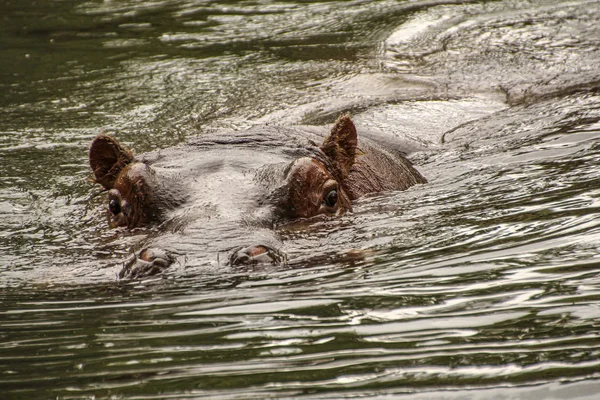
[
  {"x": 114, "y": 206},
  {"x": 331, "y": 198}
]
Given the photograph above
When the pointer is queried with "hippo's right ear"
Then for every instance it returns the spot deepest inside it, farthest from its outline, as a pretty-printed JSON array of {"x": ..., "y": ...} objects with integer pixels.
[
  {"x": 107, "y": 159},
  {"x": 340, "y": 145}
]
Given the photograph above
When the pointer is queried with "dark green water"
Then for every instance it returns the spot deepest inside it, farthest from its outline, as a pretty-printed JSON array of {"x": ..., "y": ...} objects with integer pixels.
[{"x": 482, "y": 284}]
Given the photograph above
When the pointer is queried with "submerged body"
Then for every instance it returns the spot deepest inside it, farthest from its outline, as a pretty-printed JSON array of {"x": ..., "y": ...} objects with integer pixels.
[{"x": 254, "y": 181}]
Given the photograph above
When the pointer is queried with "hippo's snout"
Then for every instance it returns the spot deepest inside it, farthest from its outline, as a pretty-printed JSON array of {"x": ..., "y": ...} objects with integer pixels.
[
  {"x": 258, "y": 254},
  {"x": 150, "y": 261}
]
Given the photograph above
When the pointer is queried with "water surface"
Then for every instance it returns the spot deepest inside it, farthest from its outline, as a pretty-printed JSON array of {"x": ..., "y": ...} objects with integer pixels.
[{"x": 482, "y": 284}]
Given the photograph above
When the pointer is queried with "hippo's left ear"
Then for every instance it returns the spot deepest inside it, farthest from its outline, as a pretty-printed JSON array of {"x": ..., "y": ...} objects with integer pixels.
[
  {"x": 107, "y": 159},
  {"x": 340, "y": 145}
]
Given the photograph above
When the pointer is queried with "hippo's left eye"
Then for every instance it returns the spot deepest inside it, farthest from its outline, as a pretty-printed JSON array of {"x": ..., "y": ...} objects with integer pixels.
[
  {"x": 114, "y": 206},
  {"x": 331, "y": 198}
]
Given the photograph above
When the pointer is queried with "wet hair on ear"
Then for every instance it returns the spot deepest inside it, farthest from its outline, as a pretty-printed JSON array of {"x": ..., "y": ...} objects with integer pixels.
[
  {"x": 107, "y": 159},
  {"x": 341, "y": 146}
]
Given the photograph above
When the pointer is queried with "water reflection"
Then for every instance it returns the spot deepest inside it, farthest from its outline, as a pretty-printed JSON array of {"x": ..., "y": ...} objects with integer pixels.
[{"x": 481, "y": 284}]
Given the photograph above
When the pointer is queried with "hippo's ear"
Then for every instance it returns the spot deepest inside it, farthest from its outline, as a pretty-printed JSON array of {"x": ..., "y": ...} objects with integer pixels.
[
  {"x": 107, "y": 159},
  {"x": 340, "y": 145}
]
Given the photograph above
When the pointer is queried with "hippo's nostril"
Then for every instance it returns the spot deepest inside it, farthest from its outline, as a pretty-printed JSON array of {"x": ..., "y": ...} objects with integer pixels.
[
  {"x": 147, "y": 262},
  {"x": 239, "y": 258},
  {"x": 251, "y": 255}
]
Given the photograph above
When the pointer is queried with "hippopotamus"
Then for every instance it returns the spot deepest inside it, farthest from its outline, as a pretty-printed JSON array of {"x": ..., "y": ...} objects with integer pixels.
[{"x": 227, "y": 188}]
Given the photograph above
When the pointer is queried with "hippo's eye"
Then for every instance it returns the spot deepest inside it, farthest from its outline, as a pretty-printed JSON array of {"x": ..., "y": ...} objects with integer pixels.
[
  {"x": 331, "y": 198},
  {"x": 114, "y": 207}
]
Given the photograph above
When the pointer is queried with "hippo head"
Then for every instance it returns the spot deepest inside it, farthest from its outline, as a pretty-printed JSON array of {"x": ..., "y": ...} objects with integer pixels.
[
  {"x": 130, "y": 193},
  {"x": 316, "y": 183},
  {"x": 306, "y": 182}
]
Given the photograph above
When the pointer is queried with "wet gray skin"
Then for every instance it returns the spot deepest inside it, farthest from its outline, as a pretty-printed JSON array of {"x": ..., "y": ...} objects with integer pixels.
[{"x": 229, "y": 192}]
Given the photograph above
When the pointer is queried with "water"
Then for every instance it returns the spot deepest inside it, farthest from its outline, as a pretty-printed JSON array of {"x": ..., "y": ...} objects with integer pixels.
[{"x": 482, "y": 284}]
